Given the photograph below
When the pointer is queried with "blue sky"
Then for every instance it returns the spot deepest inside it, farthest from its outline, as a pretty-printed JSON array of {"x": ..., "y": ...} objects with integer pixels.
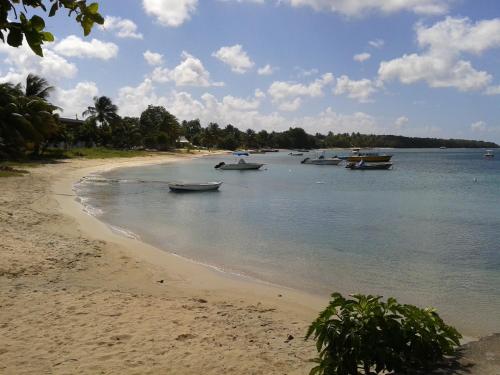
[{"x": 411, "y": 67}]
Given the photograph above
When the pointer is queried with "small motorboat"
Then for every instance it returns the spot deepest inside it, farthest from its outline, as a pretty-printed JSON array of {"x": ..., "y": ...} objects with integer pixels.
[
  {"x": 489, "y": 154},
  {"x": 194, "y": 186},
  {"x": 295, "y": 154},
  {"x": 322, "y": 161},
  {"x": 372, "y": 157},
  {"x": 241, "y": 153},
  {"x": 242, "y": 165},
  {"x": 270, "y": 150},
  {"x": 362, "y": 166}
]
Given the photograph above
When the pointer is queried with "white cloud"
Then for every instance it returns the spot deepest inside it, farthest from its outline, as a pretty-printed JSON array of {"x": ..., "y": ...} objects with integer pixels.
[
  {"x": 478, "y": 126},
  {"x": 132, "y": 101},
  {"x": 266, "y": 70},
  {"x": 74, "y": 46},
  {"x": 401, "y": 122},
  {"x": 440, "y": 65},
  {"x": 306, "y": 72},
  {"x": 21, "y": 61},
  {"x": 153, "y": 58},
  {"x": 376, "y": 43},
  {"x": 235, "y": 57},
  {"x": 358, "y": 8},
  {"x": 291, "y": 105},
  {"x": 457, "y": 35},
  {"x": 280, "y": 90},
  {"x": 189, "y": 72},
  {"x": 437, "y": 71},
  {"x": 360, "y": 90},
  {"x": 122, "y": 27},
  {"x": 74, "y": 101},
  {"x": 360, "y": 57},
  {"x": 172, "y": 13}
]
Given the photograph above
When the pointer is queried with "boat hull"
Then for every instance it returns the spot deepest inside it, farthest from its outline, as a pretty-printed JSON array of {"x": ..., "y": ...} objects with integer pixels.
[
  {"x": 241, "y": 167},
  {"x": 369, "y": 158},
  {"x": 209, "y": 186},
  {"x": 368, "y": 167},
  {"x": 322, "y": 161}
]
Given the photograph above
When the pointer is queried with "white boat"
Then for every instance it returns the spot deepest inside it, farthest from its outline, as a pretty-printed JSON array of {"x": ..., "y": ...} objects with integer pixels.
[
  {"x": 322, "y": 161},
  {"x": 194, "y": 186},
  {"x": 241, "y": 165},
  {"x": 489, "y": 154}
]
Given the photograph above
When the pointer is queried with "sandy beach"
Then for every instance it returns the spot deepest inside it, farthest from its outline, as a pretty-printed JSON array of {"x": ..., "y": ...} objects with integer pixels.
[{"x": 76, "y": 297}]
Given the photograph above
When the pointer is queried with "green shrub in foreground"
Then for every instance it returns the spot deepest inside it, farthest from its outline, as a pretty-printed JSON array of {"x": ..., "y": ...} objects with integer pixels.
[{"x": 363, "y": 334}]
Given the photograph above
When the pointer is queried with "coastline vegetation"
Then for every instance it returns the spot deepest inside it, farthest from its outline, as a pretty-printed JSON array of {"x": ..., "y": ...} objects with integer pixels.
[
  {"x": 30, "y": 125},
  {"x": 365, "y": 335}
]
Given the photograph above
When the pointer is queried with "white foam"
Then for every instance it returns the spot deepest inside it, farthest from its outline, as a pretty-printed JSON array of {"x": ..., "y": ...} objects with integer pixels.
[{"x": 124, "y": 232}]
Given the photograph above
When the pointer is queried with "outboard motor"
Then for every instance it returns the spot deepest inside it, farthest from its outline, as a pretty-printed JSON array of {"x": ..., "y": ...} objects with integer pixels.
[
  {"x": 303, "y": 161},
  {"x": 219, "y": 165}
]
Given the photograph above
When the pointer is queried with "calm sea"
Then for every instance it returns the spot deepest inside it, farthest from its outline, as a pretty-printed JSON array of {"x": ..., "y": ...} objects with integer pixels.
[{"x": 427, "y": 232}]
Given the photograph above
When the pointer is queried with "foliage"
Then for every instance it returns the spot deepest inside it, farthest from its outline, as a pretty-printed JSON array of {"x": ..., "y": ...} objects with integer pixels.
[
  {"x": 103, "y": 112},
  {"x": 27, "y": 122},
  {"x": 94, "y": 153},
  {"x": 33, "y": 29},
  {"x": 159, "y": 127},
  {"x": 364, "y": 334}
]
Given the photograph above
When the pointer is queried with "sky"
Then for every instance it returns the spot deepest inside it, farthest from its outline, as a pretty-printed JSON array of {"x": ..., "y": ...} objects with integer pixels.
[{"x": 427, "y": 68}]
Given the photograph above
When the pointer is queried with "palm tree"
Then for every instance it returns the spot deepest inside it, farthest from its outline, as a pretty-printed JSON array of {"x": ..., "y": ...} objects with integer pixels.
[
  {"x": 103, "y": 111},
  {"x": 37, "y": 87}
]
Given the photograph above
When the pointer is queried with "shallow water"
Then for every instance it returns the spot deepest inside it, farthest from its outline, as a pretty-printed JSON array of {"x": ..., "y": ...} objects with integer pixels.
[{"x": 426, "y": 232}]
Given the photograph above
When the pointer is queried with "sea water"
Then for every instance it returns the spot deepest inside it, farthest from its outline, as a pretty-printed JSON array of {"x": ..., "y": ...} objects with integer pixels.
[{"x": 426, "y": 232}]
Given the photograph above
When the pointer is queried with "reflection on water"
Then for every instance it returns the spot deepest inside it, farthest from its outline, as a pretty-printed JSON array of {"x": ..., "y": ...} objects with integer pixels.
[{"x": 426, "y": 231}]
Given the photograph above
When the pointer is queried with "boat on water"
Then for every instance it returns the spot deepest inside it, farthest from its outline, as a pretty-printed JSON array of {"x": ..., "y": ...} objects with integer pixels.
[
  {"x": 442, "y": 148},
  {"x": 256, "y": 151},
  {"x": 489, "y": 154},
  {"x": 241, "y": 153},
  {"x": 270, "y": 150},
  {"x": 363, "y": 166},
  {"x": 194, "y": 186},
  {"x": 370, "y": 157},
  {"x": 322, "y": 161},
  {"x": 296, "y": 154},
  {"x": 241, "y": 165}
]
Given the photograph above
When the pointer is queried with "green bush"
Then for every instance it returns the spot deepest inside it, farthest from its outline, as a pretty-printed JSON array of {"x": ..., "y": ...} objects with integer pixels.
[{"x": 363, "y": 335}]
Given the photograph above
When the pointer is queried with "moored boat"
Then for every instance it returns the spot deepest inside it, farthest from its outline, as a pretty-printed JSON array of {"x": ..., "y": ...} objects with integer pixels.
[
  {"x": 368, "y": 166},
  {"x": 489, "y": 154},
  {"x": 194, "y": 186},
  {"x": 295, "y": 154},
  {"x": 242, "y": 165},
  {"x": 322, "y": 161},
  {"x": 371, "y": 157}
]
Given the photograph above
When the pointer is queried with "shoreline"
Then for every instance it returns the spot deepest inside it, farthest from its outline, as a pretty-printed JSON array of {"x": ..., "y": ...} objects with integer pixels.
[
  {"x": 88, "y": 300},
  {"x": 208, "y": 276}
]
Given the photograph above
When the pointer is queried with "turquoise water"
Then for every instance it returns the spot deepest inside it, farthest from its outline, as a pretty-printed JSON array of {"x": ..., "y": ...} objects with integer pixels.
[{"x": 427, "y": 231}]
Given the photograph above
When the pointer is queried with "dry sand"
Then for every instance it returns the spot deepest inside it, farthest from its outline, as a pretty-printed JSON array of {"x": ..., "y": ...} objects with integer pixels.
[{"x": 77, "y": 298}]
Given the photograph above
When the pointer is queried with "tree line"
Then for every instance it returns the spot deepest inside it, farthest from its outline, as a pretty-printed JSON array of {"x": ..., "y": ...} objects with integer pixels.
[{"x": 30, "y": 123}]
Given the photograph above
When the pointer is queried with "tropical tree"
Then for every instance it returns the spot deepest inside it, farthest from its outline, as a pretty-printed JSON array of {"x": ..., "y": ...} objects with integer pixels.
[
  {"x": 159, "y": 127},
  {"x": 14, "y": 21},
  {"x": 103, "y": 112},
  {"x": 37, "y": 87}
]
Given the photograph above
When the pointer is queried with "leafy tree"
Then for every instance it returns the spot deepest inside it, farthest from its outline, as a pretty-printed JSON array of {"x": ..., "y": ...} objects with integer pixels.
[
  {"x": 13, "y": 32},
  {"x": 26, "y": 122},
  {"x": 103, "y": 111},
  {"x": 159, "y": 127},
  {"x": 364, "y": 334}
]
